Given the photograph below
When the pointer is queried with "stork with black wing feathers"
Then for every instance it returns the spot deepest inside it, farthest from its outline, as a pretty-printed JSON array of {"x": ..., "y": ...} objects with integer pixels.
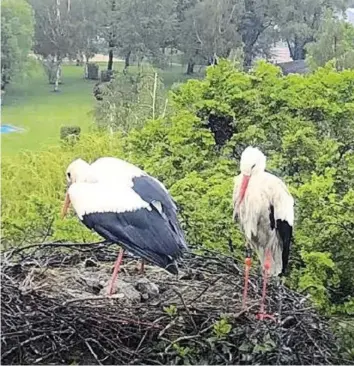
[
  {"x": 265, "y": 210},
  {"x": 125, "y": 205}
]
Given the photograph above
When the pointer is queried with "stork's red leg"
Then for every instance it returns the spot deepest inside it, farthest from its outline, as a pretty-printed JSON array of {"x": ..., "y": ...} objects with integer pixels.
[
  {"x": 116, "y": 270},
  {"x": 267, "y": 264},
  {"x": 248, "y": 263}
]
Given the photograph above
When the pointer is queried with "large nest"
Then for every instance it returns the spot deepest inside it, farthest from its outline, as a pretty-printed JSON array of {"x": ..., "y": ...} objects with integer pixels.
[{"x": 55, "y": 311}]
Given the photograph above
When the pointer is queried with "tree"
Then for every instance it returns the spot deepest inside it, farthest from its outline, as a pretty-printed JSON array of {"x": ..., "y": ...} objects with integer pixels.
[
  {"x": 299, "y": 20},
  {"x": 88, "y": 16},
  {"x": 334, "y": 40},
  {"x": 109, "y": 29},
  {"x": 304, "y": 124},
  {"x": 127, "y": 101},
  {"x": 140, "y": 29},
  {"x": 208, "y": 30},
  {"x": 17, "y": 30},
  {"x": 256, "y": 17},
  {"x": 54, "y": 36},
  {"x": 212, "y": 27},
  {"x": 185, "y": 31},
  {"x": 64, "y": 28}
]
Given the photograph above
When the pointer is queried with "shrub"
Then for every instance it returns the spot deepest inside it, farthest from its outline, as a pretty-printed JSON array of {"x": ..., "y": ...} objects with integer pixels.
[
  {"x": 129, "y": 100},
  {"x": 33, "y": 189}
]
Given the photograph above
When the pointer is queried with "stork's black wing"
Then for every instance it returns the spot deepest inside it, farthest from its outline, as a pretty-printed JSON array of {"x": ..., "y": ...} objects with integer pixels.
[
  {"x": 143, "y": 232},
  {"x": 152, "y": 191},
  {"x": 285, "y": 232}
]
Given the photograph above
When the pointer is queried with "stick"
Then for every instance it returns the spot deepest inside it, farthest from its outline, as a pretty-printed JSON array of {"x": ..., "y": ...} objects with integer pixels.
[
  {"x": 185, "y": 306},
  {"x": 90, "y": 298}
]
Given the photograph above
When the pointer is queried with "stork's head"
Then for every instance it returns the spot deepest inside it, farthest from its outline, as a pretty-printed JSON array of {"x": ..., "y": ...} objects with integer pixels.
[
  {"x": 77, "y": 171},
  {"x": 253, "y": 161}
]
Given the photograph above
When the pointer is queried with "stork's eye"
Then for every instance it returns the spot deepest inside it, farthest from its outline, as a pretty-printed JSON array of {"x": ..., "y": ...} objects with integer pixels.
[
  {"x": 69, "y": 175},
  {"x": 253, "y": 166}
]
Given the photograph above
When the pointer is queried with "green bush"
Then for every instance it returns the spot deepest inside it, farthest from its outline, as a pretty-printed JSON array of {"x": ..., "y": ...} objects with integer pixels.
[
  {"x": 33, "y": 189},
  {"x": 129, "y": 100},
  {"x": 70, "y": 134},
  {"x": 305, "y": 125}
]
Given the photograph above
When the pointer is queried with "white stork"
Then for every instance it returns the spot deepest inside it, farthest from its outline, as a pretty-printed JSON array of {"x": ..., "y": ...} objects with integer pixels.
[
  {"x": 125, "y": 205},
  {"x": 265, "y": 210}
]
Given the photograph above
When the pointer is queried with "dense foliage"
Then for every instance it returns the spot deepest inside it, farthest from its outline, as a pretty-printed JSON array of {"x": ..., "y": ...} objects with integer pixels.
[
  {"x": 305, "y": 125},
  {"x": 334, "y": 40},
  {"x": 129, "y": 100},
  {"x": 17, "y": 29}
]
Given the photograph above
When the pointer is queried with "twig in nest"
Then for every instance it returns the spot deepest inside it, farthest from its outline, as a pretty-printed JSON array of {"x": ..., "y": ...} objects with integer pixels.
[
  {"x": 92, "y": 352},
  {"x": 206, "y": 289},
  {"x": 168, "y": 326},
  {"x": 55, "y": 244},
  {"x": 186, "y": 307},
  {"x": 93, "y": 298}
]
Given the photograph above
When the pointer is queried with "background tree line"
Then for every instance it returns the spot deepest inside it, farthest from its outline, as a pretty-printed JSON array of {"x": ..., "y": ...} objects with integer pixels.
[{"x": 197, "y": 31}]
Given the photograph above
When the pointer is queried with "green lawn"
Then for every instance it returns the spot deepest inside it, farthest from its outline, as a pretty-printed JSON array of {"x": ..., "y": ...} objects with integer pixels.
[{"x": 33, "y": 106}]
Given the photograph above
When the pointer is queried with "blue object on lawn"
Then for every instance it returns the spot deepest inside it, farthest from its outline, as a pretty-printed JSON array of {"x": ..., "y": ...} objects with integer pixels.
[{"x": 9, "y": 129}]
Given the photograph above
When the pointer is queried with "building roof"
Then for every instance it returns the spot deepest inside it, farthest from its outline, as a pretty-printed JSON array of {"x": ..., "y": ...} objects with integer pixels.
[{"x": 294, "y": 67}]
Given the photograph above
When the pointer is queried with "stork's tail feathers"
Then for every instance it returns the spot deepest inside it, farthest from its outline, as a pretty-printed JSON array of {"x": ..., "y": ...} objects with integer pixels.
[
  {"x": 172, "y": 268},
  {"x": 166, "y": 262}
]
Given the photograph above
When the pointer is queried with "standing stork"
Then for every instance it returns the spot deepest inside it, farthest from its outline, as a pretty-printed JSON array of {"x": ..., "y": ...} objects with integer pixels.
[
  {"x": 265, "y": 210},
  {"x": 125, "y": 205}
]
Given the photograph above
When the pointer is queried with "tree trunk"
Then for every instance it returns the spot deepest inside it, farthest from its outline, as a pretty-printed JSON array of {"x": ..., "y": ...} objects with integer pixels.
[
  {"x": 190, "y": 68},
  {"x": 110, "y": 60},
  {"x": 127, "y": 60},
  {"x": 154, "y": 97},
  {"x": 86, "y": 70},
  {"x": 87, "y": 60},
  {"x": 297, "y": 51},
  {"x": 4, "y": 79},
  {"x": 80, "y": 59},
  {"x": 140, "y": 60},
  {"x": 57, "y": 73},
  {"x": 247, "y": 58},
  {"x": 2, "y": 96},
  {"x": 290, "y": 49}
]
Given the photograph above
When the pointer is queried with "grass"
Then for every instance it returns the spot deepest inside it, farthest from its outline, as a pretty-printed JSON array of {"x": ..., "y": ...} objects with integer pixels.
[{"x": 31, "y": 105}]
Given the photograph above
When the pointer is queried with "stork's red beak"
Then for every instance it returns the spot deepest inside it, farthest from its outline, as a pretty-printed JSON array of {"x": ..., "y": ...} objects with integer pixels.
[
  {"x": 244, "y": 185},
  {"x": 66, "y": 205}
]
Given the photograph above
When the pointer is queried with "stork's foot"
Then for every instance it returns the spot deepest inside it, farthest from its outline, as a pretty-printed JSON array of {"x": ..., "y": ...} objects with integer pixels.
[{"x": 263, "y": 316}]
